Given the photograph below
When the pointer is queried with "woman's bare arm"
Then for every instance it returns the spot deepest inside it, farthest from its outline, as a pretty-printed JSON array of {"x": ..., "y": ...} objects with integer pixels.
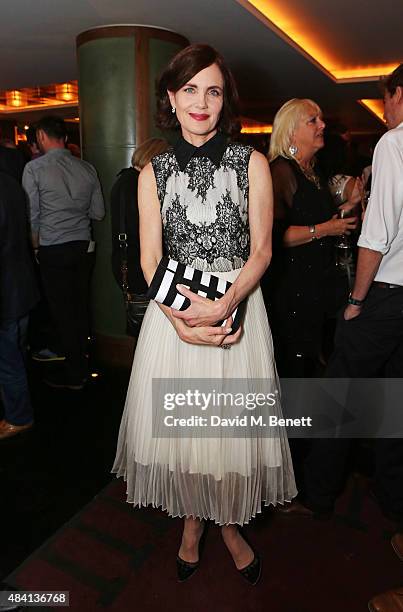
[{"x": 296, "y": 235}]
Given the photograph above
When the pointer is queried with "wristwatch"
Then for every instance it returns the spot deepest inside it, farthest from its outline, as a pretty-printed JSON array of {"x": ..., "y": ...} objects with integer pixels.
[
  {"x": 354, "y": 302},
  {"x": 312, "y": 231}
]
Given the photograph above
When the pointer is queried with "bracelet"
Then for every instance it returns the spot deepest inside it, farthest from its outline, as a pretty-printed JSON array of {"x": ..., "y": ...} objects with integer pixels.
[
  {"x": 354, "y": 302},
  {"x": 312, "y": 231}
]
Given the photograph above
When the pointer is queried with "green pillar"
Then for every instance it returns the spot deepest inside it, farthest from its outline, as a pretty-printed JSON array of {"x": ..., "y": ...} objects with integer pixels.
[{"x": 117, "y": 66}]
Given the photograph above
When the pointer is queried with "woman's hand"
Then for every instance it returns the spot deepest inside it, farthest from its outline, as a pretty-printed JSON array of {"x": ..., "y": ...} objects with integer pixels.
[
  {"x": 202, "y": 312},
  {"x": 347, "y": 207},
  {"x": 233, "y": 338},
  {"x": 207, "y": 335},
  {"x": 338, "y": 227}
]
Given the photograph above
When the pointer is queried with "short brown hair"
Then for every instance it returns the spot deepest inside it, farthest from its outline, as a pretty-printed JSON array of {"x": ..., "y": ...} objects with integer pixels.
[
  {"x": 394, "y": 80},
  {"x": 53, "y": 126},
  {"x": 146, "y": 151},
  {"x": 180, "y": 70}
]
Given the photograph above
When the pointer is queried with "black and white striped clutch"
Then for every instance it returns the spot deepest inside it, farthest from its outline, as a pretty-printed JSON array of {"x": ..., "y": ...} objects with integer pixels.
[{"x": 171, "y": 273}]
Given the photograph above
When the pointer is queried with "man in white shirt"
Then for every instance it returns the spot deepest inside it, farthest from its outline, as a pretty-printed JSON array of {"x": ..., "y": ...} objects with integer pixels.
[
  {"x": 380, "y": 261},
  {"x": 369, "y": 338}
]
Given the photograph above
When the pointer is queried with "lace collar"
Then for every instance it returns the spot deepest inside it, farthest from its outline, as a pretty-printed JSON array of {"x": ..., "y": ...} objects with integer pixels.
[{"x": 214, "y": 149}]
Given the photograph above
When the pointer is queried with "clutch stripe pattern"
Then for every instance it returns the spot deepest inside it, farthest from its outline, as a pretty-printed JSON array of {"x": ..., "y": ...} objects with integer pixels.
[{"x": 171, "y": 273}]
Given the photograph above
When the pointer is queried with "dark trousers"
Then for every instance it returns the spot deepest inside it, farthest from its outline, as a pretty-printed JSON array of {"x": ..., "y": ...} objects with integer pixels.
[
  {"x": 41, "y": 332},
  {"x": 66, "y": 271},
  {"x": 13, "y": 376},
  {"x": 368, "y": 346}
]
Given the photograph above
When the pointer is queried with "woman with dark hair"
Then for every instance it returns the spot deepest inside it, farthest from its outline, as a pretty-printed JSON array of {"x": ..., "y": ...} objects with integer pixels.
[
  {"x": 180, "y": 70},
  {"x": 207, "y": 203}
]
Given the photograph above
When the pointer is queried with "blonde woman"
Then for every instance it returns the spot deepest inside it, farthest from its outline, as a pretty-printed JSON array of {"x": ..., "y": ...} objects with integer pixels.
[{"x": 306, "y": 285}]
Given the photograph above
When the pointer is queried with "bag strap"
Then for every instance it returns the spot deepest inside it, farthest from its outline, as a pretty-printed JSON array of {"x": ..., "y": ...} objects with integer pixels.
[{"x": 122, "y": 237}]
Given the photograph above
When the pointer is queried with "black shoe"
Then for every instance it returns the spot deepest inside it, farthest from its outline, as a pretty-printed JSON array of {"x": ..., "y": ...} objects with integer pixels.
[
  {"x": 63, "y": 385},
  {"x": 253, "y": 571},
  {"x": 59, "y": 381},
  {"x": 46, "y": 355},
  {"x": 185, "y": 569}
]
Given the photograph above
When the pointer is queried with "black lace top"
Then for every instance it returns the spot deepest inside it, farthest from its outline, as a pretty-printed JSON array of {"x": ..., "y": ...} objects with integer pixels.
[
  {"x": 204, "y": 207},
  {"x": 298, "y": 201},
  {"x": 303, "y": 281}
]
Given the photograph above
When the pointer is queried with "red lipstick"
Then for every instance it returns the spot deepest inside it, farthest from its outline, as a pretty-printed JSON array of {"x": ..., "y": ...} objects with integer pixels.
[{"x": 199, "y": 117}]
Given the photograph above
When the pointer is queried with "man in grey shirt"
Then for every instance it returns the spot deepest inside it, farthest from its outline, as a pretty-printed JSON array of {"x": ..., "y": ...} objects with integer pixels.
[{"x": 64, "y": 196}]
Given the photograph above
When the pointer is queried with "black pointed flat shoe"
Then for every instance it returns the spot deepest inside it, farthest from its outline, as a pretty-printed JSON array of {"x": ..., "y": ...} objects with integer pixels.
[
  {"x": 253, "y": 571},
  {"x": 185, "y": 569}
]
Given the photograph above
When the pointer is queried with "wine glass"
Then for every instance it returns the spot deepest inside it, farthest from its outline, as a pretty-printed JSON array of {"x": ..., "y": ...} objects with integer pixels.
[{"x": 343, "y": 241}]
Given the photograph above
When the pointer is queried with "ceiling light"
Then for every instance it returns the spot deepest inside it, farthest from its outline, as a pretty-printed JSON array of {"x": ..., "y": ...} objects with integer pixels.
[
  {"x": 375, "y": 106},
  {"x": 65, "y": 91},
  {"x": 256, "y": 129},
  {"x": 15, "y": 97},
  {"x": 288, "y": 26}
]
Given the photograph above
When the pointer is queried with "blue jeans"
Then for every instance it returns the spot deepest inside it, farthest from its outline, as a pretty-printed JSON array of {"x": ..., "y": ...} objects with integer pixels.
[{"x": 13, "y": 376}]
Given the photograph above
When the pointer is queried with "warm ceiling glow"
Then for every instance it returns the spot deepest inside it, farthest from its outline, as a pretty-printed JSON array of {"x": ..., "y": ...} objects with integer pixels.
[
  {"x": 375, "y": 106},
  {"x": 16, "y": 98},
  {"x": 291, "y": 26},
  {"x": 256, "y": 129},
  {"x": 252, "y": 126},
  {"x": 363, "y": 72}
]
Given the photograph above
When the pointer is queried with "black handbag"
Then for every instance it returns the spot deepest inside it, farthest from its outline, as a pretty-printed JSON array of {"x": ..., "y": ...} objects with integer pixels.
[
  {"x": 136, "y": 303},
  {"x": 136, "y": 306},
  {"x": 169, "y": 273}
]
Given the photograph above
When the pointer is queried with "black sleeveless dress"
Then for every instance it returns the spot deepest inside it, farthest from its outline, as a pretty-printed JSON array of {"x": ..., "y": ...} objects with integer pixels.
[{"x": 304, "y": 288}]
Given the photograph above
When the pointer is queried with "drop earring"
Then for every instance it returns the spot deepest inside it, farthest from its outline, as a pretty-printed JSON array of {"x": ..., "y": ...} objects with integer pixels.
[
  {"x": 173, "y": 110},
  {"x": 293, "y": 150}
]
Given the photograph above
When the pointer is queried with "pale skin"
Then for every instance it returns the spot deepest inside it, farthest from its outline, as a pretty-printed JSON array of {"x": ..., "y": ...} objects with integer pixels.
[
  {"x": 369, "y": 260},
  {"x": 308, "y": 138},
  {"x": 353, "y": 194},
  {"x": 198, "y": 105}
]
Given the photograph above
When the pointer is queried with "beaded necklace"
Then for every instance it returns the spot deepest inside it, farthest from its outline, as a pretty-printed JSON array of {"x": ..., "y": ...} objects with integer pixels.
[{"x": 310, "y": 174}]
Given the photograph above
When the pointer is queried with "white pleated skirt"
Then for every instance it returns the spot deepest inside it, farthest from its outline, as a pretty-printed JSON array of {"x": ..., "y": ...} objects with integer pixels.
[{"x": 225, "y": 479}]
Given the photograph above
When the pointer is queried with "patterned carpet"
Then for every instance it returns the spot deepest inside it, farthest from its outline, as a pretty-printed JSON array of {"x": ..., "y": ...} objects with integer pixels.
[{"x": 115, "y": 558}]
